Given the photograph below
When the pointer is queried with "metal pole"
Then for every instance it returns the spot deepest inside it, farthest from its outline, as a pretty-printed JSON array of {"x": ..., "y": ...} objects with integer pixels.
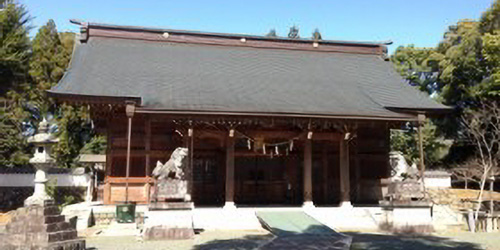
[
  {"x": 191, "y": 155},
  {"x": 421, "y": 119},
  {"x": 129, "y": 137},
  {"x": 129, "y": 110}
]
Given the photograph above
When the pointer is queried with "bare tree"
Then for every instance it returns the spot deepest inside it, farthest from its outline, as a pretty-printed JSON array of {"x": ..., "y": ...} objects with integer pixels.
[
  {"x": 482, "y": 127},
  {"x": 470, "y": 171}
]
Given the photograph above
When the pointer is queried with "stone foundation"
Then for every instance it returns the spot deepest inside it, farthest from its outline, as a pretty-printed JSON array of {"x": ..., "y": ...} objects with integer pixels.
[
  {"x": 168, "y": 224},
  {"x": 40, "y": 227},
  {"x": 166, "y": 232}
]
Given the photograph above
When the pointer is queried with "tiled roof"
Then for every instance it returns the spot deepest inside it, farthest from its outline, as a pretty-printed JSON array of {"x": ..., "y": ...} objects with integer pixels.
[{"x": 198, "y": 77}]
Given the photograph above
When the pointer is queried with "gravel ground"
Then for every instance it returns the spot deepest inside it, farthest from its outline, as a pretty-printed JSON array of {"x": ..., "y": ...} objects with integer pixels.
[
  {"x": 204, "y": 240},
  {"x": 253, "y": 239},
  {"x": 490, "y": 241}
]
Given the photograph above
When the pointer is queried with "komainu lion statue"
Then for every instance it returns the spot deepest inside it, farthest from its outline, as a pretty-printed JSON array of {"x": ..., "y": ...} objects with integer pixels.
[{"x": 173, "y": 167}]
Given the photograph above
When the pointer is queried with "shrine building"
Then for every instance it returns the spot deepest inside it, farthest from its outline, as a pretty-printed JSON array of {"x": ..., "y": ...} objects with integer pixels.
[{"x": 268, "y": 121}]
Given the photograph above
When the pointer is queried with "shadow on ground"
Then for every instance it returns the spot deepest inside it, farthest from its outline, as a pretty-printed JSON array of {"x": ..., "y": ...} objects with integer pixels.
[
  {"x": 407, "y": 242},
  {"x": 359, "y": 241},
  {"x": 247, "y": 242},
  {"x": 313, "y": 237}
]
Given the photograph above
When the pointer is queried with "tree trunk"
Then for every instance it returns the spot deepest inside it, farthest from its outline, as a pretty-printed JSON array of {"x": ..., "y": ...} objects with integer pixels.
[{"x": 480, "y": 198}]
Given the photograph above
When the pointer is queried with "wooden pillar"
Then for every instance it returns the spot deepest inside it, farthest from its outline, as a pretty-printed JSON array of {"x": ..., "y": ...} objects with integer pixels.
[
  {"x": 229, "y": 194},
  {"x": 129, "y": 110},
  {"x": 324, "y": 160},
  {"x": 492, "y": 182},
  {"x": 345, "y": 188},
  {"x": 190, "y": 163},
  {"x": 421, "y": 120},
  {"x": 109, "y": 163},
  {"x": 147, "y": 129},
  {"x": 357, "y": 172},
  {"x": 308, "y": 195}
]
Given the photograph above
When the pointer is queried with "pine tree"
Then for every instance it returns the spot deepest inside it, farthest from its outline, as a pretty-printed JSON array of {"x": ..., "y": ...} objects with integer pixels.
[
  {"x": 51, "y": 55},
  {"x": 316, "y": 35},
  {"x": 14, "y": 150},
  {"x": 74, "y": 131},
  {"x": 294, "y": 32},
  {"x": 48, "y": 63},
  {"x": 14, "y": 55},
  {"x": 272, "y": 33},
  {"x": 14, "y": 45}
]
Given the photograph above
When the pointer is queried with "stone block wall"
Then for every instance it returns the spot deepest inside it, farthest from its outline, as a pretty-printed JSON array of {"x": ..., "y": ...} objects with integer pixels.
[{"x": 40, "y": 227}]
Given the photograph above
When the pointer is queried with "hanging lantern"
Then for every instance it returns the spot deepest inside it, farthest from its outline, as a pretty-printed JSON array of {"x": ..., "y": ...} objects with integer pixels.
[
  {"x": 264, "y": 148},
  {"x": 249, "y": 144},
  {"x": 258, "y": 143},
  {"x": 276, "y": 150}
]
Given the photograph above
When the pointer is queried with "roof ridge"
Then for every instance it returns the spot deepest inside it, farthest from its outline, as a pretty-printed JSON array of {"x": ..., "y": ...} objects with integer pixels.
[{"x": 227, "y": 35}]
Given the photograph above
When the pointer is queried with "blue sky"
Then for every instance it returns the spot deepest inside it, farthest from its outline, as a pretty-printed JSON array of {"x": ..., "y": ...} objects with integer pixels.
[{"x": 419, "y": 22}]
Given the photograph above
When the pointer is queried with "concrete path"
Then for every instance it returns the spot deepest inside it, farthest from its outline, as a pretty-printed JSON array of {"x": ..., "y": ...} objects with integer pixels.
[
  {"x": 292, "y": 222},
  {"x": 297, "y": 230}
]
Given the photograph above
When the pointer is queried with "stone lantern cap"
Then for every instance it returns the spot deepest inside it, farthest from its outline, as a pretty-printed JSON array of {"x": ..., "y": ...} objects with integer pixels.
[
  {"x": 43, "y": 140},
  {"x": 43, "y": 136}
]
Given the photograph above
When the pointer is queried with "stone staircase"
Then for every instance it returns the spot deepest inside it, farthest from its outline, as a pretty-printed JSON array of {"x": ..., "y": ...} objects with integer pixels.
[{"x": 40, "y": 227}]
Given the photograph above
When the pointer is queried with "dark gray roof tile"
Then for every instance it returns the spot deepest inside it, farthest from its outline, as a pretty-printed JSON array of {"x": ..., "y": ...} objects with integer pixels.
[{"x": 191, "y": 77}]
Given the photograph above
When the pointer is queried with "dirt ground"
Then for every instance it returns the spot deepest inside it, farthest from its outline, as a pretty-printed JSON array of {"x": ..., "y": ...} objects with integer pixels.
[{"x": 254, "y": 239}]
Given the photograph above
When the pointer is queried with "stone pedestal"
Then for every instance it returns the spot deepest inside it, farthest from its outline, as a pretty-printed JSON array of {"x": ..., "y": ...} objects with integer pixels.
[
  {"x": 40, "y": 195},
  {"x": 229, "y": 205},
  {"x": 168, "y": 224},
  {"x": 345, "y": 205},
  {"x": 170, "y": 214},
  {"x": 308, "y": 205},
  {"x": 171, "y": 190},
  {"x": 41, "y": 227}
]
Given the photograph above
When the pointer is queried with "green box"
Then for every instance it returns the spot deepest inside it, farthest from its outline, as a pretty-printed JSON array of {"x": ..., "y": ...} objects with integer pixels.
[{"x": 125, "y": 213}]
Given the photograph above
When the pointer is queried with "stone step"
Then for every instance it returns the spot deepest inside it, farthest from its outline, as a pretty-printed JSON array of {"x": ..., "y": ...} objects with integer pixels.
[
  {"x": 73, "y": 244},
  {"x": 62, "y": 235},
  {"x": 41, "y": 237},
  {"x": 59, "y": 226},
  {"x": 53, "y": 219},
  {"x": 20, "y": 227},
  {"x": 121, "y": 229}
]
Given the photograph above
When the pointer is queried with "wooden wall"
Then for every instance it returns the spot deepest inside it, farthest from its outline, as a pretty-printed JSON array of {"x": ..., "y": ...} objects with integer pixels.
[{"x": 258, "y": 179}]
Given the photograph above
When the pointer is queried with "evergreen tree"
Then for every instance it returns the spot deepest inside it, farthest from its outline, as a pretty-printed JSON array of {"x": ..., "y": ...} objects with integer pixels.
[
  {"x": 48, "y": 63},
  {"x": 316, "y": 35},
  {"x": 14, "y": 55},
  {"x": 74, "y": 131},
  {"x": 294, "y": 32},
  {"x": 51, "y": 55},
  {"x": 413, "y": 65},
  {"x": 14, "y": 150},
  {"x": 462, "y": 70},
  {"x": 14, "y": 45},
  {"x": 406, "y": 141},
  {"x": 272, "y": 33}
]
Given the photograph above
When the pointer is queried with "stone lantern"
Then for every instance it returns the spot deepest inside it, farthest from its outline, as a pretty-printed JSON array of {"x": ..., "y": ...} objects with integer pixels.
[
  {"x": 39, "y": 224},
  {"x": 42, "y": 161}
]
